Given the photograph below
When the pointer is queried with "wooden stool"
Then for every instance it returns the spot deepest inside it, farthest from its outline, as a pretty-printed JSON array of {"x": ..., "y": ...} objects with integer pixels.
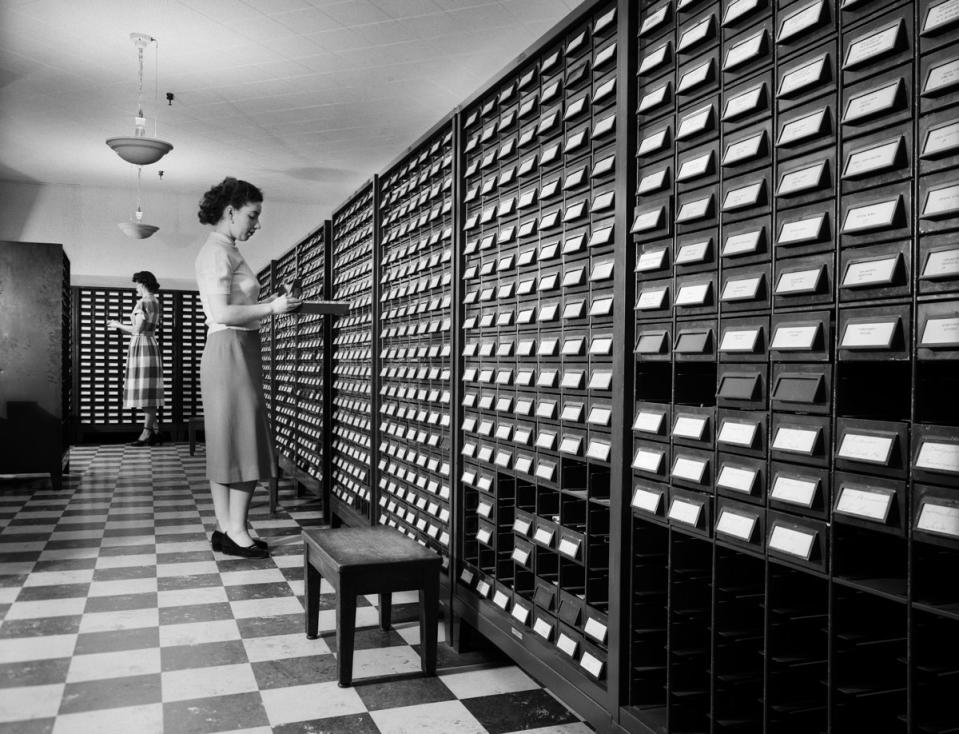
[
  {"x": 375, "y": 560},
  {"x": 193, "y": 424}
]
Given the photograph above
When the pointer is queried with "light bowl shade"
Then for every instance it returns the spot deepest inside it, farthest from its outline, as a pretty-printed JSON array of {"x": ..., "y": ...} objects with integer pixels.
[
  {"x": 136, "y": 230},
  {"x": 140, "y": 151}
]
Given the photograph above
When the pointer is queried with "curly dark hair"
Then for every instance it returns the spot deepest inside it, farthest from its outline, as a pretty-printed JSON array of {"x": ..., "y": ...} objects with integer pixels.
[
  {"x": 229, "y": 192},
  {"x": 148, "y": 279}
]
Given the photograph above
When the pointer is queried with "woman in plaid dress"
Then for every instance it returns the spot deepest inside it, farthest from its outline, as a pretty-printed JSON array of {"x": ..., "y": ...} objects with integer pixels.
[{"x": 143, "y": 384}]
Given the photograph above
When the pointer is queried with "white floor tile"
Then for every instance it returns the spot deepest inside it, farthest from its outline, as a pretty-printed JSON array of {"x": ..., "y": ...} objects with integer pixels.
[
  {"x": 317, "y": 701},
  {"x": 384, "y": 661},
  {"x": 196, "y": 633},
  {"x": 143, "y": 559},
  {"x": 449, "y": 717},
  {"x": 186, "y": 597},
  {"x": 30, "y": 702},
  {"x": 59, "y": 578},
  {"x": 123, "y": 620},
  {"x": 98, "y": 666},
  {"x": 488, "y": 682},
  {"x": 281, "y": 647},
  {"x": 221, "y": 680},
  {"x": 249, "y": 608},
  {"x": 146, "y": 719},
  {"x": 46, "y": 608},
  {"x": 255, "y": 576},
  {"x": 192, "y": 568},
  {"x": 23, "y": 649},
  {"x": 123, "y": 586}
]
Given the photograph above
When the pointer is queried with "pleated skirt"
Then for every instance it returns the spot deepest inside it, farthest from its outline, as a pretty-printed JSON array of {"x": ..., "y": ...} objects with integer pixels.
[
  {"x": 239, "y": 443},
  {"x": 143, "y": 380}
]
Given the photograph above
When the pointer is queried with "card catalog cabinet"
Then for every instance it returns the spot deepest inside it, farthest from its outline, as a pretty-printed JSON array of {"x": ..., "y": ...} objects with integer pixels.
[
  {"x": 35, "y": 405},
  {"x": 99, "y": 358},
  {"x": 750, "y": 524},
  {"x": 353, "y": 356},
  {"x": 415, "y": 376}
]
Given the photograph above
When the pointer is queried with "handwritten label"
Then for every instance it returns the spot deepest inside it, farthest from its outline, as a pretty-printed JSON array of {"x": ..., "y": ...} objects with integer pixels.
[
  {"x": 695, "y": 76},
  {"x": 694, "y": 123},
  {"x": 940, "y": 264},
  {"x": 941, "y": 15},
  {"x": 872, "y": 103},
  {"x": 739, "y": 340},
  {"x": 543, "y": 628},
  {"x": 696, "y": 209},
  {"x": 654, "y": 19},
  {"x": 736, "y": 525},
  {"x": 743, "y": 150},
  {"x": 940, "y": 332},
  {"x": 942, "y": 201},
  {"x": 802, "y": 230},
  {"x": 688, "y": 426},
  {"x": 801, "y": 128},
  {"x": 803, "y": 76},
  {"x": 743, "y": 103},
  {"x": 689, "y": 469},
  {"x": 653, "y": 142},
  {"x": 743, "y": 197},
  {"x": 743, "y": 289},
  {"x": 795, "y": 491},
  {"x": 804, "y": 179},
  {"x": 942, "y": 77},
  {"x": 871, "y": 216},
  {"x": 799, "y": 281},
  {"x": 647, "y": 500},
  {"x": 868, "y": 48},
  {"x": 738, "y": 434},
  {"x": 744, "y": 243},
  {"x": 873, "y": 159},
  {"x": 649, "y": 421},
  {"x": 736, "y": 479},
  {"x": 745, "y": 51},
  {"x": 941, "y": 140},
  {"x": 870, "y": 272},
  {"x": 737, "y": 9},
  {"x": 595, "y": 629},
  {"x": 695, "y": 252},
  {"x": 654, "y": 59},
  {"x": 862, "y": 447},
  {"x": 569, "y": 548},
  {"x": 801, "y": 21},
  {"x": 685, "y": 512},
  {"x": 695, "y": 167},
  {"x": 864, "y": 502},
  {"x": 652, "y": 182},
  {"x": 648, "y": 460},
  {"x": 939, "y": 519},
  {"x": 567, "y": 644},
  {"x": 696, "y": 34},
  {"x": 651, "y": 299},
  {"x": 646, "y": 221},
  {"x": 874, "y": 335},
  {"x": 796, "y": 440},
  {"x": 938, "y": 456},
  {"x": 592, "y": 665},
  {"x": 654, "y": 98},
  {"x": 797, "y": 543},
  {"x": 693, "y": 294}
]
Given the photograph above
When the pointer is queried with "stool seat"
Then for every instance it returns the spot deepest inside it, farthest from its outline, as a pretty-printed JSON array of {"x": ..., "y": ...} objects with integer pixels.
[{"x": 373, "y": 560}]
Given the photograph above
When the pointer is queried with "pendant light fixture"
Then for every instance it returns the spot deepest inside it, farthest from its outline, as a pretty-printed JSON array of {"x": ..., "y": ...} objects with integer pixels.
[
  {"x": 135, "y": 228},
  {"x": 140, "y": 150}
]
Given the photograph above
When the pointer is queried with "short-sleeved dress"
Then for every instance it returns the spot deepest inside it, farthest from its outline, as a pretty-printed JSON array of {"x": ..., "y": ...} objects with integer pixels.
[
  {"x": 239, "y": 442},
  {"x": 143, "y": 383}
]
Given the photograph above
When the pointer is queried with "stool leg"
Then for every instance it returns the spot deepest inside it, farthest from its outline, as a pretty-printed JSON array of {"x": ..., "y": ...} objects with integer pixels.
[
  {"x": 345, "y": 627},
  {"x": 429, "y": 612},
  {"x": 386, "y": 611},
  {"x": 312, "y": 593}
]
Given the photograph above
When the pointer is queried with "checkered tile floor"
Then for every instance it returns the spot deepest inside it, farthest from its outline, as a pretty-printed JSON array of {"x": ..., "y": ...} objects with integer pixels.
[{"x": 118, "y": 617}]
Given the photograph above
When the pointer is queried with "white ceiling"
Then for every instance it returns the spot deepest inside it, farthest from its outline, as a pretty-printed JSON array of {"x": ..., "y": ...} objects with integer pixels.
[{"x": 305, "y": 98}]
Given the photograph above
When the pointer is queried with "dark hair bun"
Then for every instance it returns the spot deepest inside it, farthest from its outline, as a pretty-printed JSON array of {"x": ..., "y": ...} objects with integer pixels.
[
  {"x": 229, "y": 192},
  {"x": 148, "y": 280}
]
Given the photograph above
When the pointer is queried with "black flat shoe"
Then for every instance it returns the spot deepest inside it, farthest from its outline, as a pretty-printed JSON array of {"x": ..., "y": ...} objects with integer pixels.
[
  {"x": 216, "y": 541},
  {"x": 230, "y": 548}
]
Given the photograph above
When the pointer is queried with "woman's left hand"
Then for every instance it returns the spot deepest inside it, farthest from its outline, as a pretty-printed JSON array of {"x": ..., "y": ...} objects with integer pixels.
[{"x": 113, "y": 324}]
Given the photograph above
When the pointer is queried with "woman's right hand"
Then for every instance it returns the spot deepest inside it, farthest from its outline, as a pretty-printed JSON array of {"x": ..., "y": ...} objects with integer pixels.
[
  {"x": 113, "y": 324},
  {"x": 285, "y": 304}
]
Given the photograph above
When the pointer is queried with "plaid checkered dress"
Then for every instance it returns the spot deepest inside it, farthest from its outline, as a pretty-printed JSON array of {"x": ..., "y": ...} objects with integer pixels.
[{"x": 143, "y": 385}]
